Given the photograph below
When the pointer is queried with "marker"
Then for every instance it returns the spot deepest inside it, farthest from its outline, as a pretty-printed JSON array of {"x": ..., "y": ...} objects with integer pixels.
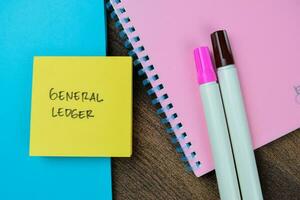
[
  {"x": 236, "y": 118},
  {"x": 217, "y": 127}
]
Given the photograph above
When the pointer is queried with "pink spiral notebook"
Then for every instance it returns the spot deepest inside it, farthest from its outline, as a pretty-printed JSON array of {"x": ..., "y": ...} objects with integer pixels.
[{"x": 266, "y": 45}]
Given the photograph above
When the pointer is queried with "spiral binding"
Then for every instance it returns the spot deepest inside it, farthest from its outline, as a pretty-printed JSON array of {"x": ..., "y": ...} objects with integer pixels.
[{"x": 127, "y": 34}]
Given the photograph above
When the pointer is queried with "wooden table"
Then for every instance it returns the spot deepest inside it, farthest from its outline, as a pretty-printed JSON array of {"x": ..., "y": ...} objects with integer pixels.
[{"x": 156, "y": 172}]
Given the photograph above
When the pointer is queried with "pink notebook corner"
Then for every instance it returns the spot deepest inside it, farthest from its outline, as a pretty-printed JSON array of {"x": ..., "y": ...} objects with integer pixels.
[{"x": 265, "y": 42}]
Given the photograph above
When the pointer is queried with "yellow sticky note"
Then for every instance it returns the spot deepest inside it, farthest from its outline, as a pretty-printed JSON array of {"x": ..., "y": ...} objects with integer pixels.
[{"x": 81, "y": 106}]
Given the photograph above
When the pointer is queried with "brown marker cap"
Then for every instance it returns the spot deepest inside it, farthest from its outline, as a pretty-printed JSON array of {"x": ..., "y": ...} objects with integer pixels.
[{"x": 222, "y": 50}]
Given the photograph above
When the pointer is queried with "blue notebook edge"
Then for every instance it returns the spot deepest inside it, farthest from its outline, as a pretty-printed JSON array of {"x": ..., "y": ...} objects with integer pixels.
[{"x": 21, "y": 175}]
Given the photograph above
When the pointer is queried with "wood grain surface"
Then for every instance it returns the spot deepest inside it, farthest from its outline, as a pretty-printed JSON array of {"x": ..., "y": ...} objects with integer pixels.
[{"x": 156, "y": 172}]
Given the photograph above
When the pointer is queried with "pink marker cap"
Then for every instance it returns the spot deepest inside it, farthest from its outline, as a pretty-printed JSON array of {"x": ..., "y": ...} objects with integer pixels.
[{"x": 205, "y": 69}]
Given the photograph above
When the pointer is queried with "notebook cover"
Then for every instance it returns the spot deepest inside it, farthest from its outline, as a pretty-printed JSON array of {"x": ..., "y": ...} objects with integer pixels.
[
  {"x": 265, "y": 42},
  {"x": 81, "y": 106},
  {"x": 32, "y": 28}
]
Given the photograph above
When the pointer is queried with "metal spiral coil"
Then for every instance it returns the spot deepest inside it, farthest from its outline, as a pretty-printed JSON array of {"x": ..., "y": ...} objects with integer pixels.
[{"x": 141, "y": 63}]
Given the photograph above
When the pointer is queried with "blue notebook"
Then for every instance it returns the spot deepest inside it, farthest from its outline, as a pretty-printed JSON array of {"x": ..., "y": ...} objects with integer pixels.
[{"x": 42, "y": 28}]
